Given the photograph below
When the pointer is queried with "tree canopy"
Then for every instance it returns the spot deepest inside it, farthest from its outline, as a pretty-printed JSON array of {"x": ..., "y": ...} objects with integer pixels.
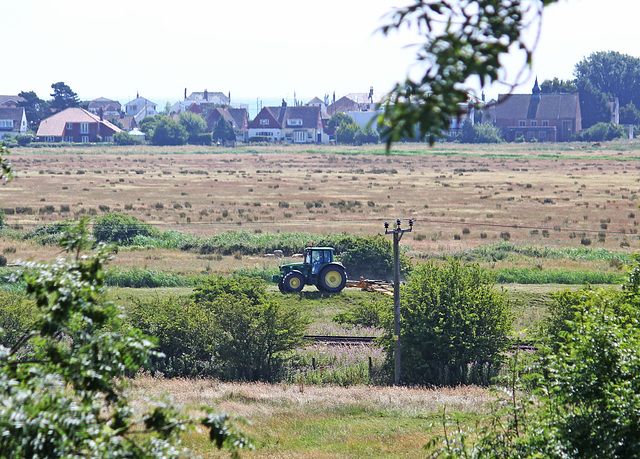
[
  {"x": 34, "y": 107},
  {"x": 463, "y": 40},
  {"x": 167, "y": 132},
  {"x": 193, "y": 124},
  {"x": 223, "y": 131},
  {"x": 63, "y": 96}
]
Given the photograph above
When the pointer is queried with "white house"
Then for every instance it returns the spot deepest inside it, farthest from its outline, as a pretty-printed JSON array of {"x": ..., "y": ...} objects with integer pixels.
[
  {"x": 13, "y": 121},
  {"x": 140, "y": 108}
]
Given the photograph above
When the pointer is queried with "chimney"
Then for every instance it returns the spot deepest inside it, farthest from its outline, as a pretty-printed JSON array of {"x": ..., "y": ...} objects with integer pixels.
[
  {"x": 101, "y": 113},
  {"x": 185, "y": 93},
  {"x": 206, "y": 95}
]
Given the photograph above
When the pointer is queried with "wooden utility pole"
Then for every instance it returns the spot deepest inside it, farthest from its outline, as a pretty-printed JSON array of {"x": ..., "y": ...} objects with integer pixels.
[{"x": 397, "y": 235}]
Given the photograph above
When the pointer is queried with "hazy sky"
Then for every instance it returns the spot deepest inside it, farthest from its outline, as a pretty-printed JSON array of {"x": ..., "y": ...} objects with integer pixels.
[{"x": 256, "y": 48}]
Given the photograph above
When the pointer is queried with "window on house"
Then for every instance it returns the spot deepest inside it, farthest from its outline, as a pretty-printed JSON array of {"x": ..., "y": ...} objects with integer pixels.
[
  {"x": 534, "y": 123},
  {"x": 6, "y": 124},
  {"x": 264, "y": 122},
  {"x": 545, "y": 123},
  {"x": 294, "y": 122},
  {"x": 69, "y": 126},
  {"x": 49, "y": 139},
  {"x": 522, "y": 123},
  {"x": 85, "y": 139},
  {"x": 68, "y": 138},
  {"x": 542, "y": 136},
  {"x": 84, "y": 128}
]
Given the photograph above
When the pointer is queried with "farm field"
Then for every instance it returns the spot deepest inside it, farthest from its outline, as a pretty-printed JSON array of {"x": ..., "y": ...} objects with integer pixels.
[
  {"x": 540, "y": 207},
  {"x": 460, "y": 196},
  {"x": 321, "y": 422}
]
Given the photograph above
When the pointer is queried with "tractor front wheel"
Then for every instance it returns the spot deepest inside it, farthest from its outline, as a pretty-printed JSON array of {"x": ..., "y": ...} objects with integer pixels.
[
  {"x": 293, "y": 282},
  {"x": 332, "y": 279}
]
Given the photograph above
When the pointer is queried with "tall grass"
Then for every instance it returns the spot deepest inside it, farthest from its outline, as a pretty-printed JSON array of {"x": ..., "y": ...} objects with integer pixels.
[
  {"x": 504, "y": 250},
  {"x": 556, "y": 276},
  {"x": 322, "y": 364},
  {"x": 145, "y": 278}
]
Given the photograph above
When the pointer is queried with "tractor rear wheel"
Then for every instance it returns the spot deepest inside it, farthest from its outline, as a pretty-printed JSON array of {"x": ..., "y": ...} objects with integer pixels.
[
  {"x": 293, "y": 282},
  {"x": 332, "y": 279}
]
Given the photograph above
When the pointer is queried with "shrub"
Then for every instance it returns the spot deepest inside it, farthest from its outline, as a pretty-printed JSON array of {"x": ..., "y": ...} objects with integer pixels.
[
  {"x": 49, "y": 233},
  {"x": 25, "y": 139},
  {"x": 185, "y": 334},
  {"x": 124, "y": 138},
  {"x": 452, "y": 317},
  {"x": 252, "y": 331},
  {"x": 371, "y": 313},
  {"x": 2, "y": 219},
  {"x": 205, "y": 138},
  {"x": 371, "y": 257},
  {"x": 585, "y": 399},
  {"x": 17, "y": 316},
  {"x": 120, "y": 228},
  {"x": 479, "y": 133},
  {"x": 601, "y": 132},
  {"x": 167, "y": 132}
]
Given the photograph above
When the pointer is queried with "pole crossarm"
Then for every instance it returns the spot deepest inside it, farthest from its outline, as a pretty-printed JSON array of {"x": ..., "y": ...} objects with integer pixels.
[{"x": 397, "y": 235}]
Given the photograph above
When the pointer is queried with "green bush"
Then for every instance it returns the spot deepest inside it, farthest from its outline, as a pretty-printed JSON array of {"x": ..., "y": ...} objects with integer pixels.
[
  {"x": 479, "y": 133},
  {"x": 205, "y": 138},
  {"x": 25, "y": 139},
  {"x": 253, "y": 331},
  {"x": 124, "y": 138},
  {"x": 167, "y": 132},
  {"x": 601, "y": 132},
  {"x": 259, "y": 139},
  {"x": 17, "y": 316},
  {"x": 49, "y": 233},
  {"x": 452, "y": 319},
  {"x": 372, "y": 313},
  {"x": 2, "y": 220},
  {"x": 120, "y": 228},
  {"x": 185, "y": 334},
  {"x": 371, "y": 257}
]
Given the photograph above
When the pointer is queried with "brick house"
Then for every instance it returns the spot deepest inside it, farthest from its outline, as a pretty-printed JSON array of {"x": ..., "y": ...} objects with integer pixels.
[
  {"x": 539, "y": 117},
  {"x": 76, "y": 125}
]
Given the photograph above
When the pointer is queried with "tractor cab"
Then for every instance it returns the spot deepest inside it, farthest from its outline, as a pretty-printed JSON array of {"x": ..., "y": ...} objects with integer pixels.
[{"x": 319, "y": 268}]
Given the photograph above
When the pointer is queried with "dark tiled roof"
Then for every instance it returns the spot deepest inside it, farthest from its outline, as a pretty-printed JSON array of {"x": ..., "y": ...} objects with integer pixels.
[
  {"x": 308, "y": 114},
  {"x": 14, "y": 114},
  {"x": 278, "y": 117},
  {"x": 550, "y": 107},
  {"x": 11, "y": 98},
  {"x": 104, "y": 103}
]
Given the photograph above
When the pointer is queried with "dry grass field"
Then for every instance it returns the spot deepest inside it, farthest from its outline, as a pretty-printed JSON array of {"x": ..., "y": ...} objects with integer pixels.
[
  {"x": 319, "y": 422},
  {"x": 461, "y": 196}
]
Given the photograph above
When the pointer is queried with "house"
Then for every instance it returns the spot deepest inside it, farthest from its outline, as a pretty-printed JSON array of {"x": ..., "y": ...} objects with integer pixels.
[
  {"x": 11, "y": 101},
  {"x": 355, "y": 102},
  {"x": 13, "y": 121},
  {"x": 76, "y": 125},
  {"x": 197, "y": 101},
  {"x": 301, "y": 124},
  {"x": 537, "y": 116},
  {"x": 238, "y": 119},
  {"x": 110, "y": 108},
  {"x": 140, "y": 108}
]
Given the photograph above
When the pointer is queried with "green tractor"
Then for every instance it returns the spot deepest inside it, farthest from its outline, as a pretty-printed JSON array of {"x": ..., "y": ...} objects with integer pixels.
[{"x": 318, "y": 268}]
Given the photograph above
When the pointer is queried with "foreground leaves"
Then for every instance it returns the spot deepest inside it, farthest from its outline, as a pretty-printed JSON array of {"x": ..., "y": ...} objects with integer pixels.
[{"x": 62, "y": 383}]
